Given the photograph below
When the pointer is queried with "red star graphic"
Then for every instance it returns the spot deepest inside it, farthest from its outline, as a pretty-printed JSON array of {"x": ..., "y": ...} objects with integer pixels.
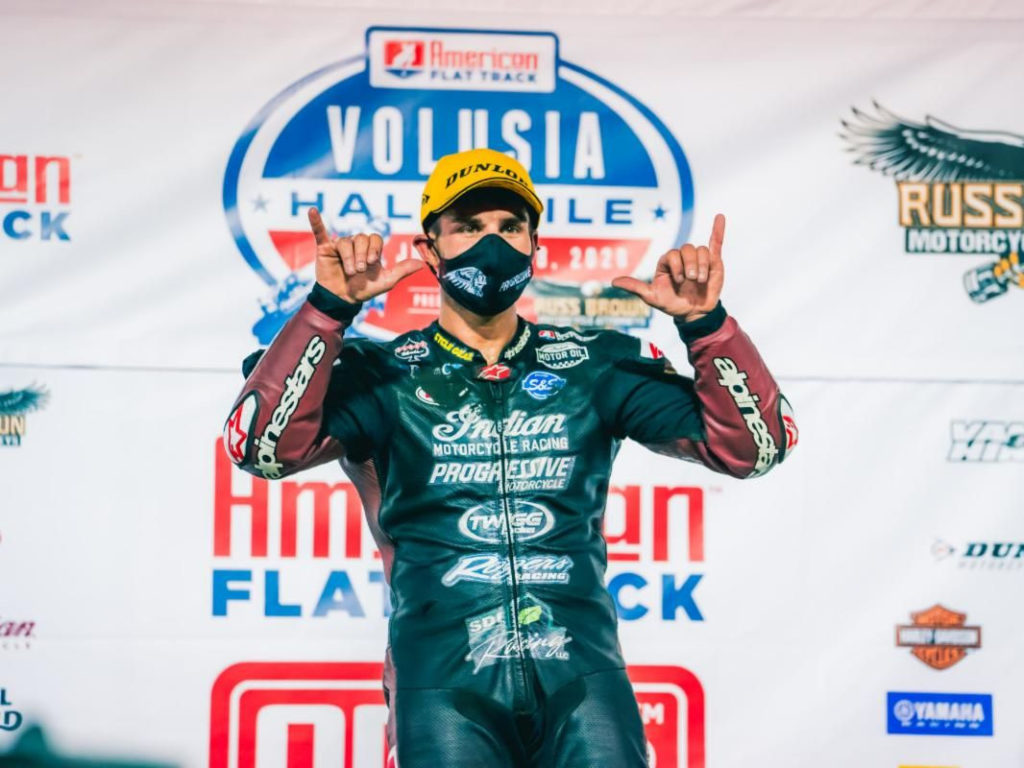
[{"x": 236, "y": 446}]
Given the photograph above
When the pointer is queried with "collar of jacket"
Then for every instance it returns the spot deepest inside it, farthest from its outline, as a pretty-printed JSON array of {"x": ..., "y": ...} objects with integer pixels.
[{"x": 452, "y": 349}]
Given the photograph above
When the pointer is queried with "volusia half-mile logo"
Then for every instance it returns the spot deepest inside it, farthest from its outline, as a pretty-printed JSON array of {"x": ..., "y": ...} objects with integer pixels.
[
  {"x": 358, "y": 138},
  {"x": 960, "y": 191}
]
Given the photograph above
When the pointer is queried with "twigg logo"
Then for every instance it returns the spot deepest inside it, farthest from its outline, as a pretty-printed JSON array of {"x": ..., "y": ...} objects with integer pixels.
[{"x": 487, "y": 522}]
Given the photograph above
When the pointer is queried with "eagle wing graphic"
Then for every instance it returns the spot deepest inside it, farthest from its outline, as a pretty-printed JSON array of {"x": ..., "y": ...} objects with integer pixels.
[
  {"x": 15, "y": 402},
  {"x": 933, "y": 150}
]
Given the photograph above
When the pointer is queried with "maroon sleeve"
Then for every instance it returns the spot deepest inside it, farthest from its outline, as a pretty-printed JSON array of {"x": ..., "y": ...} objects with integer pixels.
[
  {"x": 748, "y": 426},
  {"x": 276, "y": 424}
]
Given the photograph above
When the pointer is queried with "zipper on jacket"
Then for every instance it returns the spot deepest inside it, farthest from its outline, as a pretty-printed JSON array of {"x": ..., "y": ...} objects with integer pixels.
[{"x": 516, "y": 629}]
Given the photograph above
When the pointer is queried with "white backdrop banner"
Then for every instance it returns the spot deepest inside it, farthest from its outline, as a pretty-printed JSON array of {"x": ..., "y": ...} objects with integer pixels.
[{"x": 855, "y": 607}]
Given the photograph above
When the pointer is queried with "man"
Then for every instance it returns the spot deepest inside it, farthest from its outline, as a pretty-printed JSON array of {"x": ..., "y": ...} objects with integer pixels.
[{"x": 481, "y": 446}]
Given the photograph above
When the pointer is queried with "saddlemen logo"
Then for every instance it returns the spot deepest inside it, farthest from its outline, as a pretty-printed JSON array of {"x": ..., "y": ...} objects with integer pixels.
[
  {"x": 938, "y": 636},
  {"x": 358, "y": 138},
  {"x": 294, "y": 388},
  {"x": 488, "y": 522},
  {"x": 735, "y": 380},
  {"x": 412, "y": 351},
  {"x": 959, "y": 191}
]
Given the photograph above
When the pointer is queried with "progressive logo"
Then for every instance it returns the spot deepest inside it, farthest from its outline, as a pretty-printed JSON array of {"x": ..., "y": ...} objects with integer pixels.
[{"x": 358, "y": 138}]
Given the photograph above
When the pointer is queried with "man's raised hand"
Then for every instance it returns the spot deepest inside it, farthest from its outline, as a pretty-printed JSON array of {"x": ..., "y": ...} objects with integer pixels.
[
  {"x": 351, "y": 267},
  {"x": 687, "y": 281}
]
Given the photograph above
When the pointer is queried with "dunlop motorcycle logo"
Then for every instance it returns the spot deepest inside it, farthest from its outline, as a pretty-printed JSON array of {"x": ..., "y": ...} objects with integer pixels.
[{"x": 960, "y": 191}]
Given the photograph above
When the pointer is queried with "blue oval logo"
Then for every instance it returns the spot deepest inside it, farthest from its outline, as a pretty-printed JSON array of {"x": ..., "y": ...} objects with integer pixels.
[
  {"x": 358, "y": 138},
  {"x": 540, "y": 385}
]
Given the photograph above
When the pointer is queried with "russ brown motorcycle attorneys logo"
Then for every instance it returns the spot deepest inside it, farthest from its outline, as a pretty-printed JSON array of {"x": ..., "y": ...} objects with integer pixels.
[
  {"x": 15, "y": 405},
  {"x": 938, "y": 636},
  {"x": 358, "y": 138},
  {"x": 959, "y": 191}
]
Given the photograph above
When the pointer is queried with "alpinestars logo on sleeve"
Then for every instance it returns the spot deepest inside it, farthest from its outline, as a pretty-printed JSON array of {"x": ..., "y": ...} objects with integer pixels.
[
  {"x": 294, "y": 388},
  {"x": 735, "y": 380}
]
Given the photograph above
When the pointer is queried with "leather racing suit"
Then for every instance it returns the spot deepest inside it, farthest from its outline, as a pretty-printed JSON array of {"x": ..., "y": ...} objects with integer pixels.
[{"x": 484, "y": 488}]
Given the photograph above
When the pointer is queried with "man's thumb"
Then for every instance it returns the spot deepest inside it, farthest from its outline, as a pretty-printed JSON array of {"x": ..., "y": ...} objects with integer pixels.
[
  {"x": 403, "y": 269},
  {"x": 631, "y": 284}
]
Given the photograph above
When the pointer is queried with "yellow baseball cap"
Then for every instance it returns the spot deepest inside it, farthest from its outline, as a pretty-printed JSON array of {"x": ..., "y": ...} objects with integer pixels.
[{"x": 455, "y": 175}]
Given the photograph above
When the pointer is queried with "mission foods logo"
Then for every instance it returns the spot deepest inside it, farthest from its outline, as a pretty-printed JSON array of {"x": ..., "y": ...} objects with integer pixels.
[
  {"x": 358, "y": 138},
  {"x": 333, "y": 713},
  {"x": 959, "y": 191},
  {"x": 938, "y": 636}
]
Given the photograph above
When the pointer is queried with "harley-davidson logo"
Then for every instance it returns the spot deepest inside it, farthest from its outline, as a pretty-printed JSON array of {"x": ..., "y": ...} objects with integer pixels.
[{"x": 938, "y": 636}]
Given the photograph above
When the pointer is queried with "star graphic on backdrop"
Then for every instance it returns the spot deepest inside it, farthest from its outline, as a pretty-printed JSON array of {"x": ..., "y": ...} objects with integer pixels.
[
  {"x": 659, "y": 212},
  {"x": 260, "y": 203}
]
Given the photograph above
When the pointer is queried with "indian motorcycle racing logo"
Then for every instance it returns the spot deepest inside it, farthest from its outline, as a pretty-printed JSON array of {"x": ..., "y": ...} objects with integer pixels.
[
  {"x": 358, "y": 138},
  {"x": 959, "y": 191}
]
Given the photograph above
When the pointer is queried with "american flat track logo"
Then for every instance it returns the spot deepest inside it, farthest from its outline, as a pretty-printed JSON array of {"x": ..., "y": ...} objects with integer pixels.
[
  {"x": 358, "y": 138},
  {"x": 960, "y": 191}
]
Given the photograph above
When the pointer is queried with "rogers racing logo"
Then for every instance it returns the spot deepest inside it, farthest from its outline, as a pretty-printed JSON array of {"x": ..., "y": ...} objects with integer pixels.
[
  {"x": 294, "y": 388},
  {"x": 735, "y": 380}
]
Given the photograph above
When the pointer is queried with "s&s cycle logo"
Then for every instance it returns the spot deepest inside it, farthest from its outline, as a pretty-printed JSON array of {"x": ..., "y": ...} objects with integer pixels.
[{"x": 358, "y": 138}]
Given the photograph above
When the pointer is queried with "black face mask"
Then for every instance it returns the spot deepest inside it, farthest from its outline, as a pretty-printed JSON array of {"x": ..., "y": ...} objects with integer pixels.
[{"x": 487, "y": 278}]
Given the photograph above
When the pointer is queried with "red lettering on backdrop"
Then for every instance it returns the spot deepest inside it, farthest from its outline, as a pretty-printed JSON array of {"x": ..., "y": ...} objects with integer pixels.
[
  {"x": 228, "y": 503},
  {"x": 225, "y": 500},
  {"x": 626, "y": 545}
]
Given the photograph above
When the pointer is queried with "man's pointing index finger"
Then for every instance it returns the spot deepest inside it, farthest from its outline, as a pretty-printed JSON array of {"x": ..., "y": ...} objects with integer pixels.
[
  {"x": 717, "y": 236},
  {"x": 319, "y": 230}
]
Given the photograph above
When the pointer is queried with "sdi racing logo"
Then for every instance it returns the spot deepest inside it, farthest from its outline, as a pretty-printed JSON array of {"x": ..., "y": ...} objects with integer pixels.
[
  {"x": 959, "y": 191},
  {"x": 358, "y": 138}
]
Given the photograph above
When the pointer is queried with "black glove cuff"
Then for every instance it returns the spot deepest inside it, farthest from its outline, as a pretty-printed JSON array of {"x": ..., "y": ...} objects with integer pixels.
[
  {"x": 333, "y": 306},
  {"x": 695, "y": 329}
]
